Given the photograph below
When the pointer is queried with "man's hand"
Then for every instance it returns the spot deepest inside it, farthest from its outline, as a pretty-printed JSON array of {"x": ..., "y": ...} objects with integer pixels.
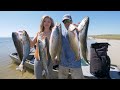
[{"x": 74, "y": 27}]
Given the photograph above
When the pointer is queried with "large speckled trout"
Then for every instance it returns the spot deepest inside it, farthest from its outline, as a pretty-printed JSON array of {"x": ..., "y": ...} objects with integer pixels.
[
  {"x": 42, "y": 48},
  {"x": 74, "y": 42},
  {"x": 26, "y": 48},
  {"x": 18, "y": 45},
  {"x": 83, "y": 28},
  {"x": 55, "y": 42}
]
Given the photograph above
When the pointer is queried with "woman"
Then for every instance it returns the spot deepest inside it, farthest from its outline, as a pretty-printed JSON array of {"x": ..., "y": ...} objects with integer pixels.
[{"x": 46, "y": 26}]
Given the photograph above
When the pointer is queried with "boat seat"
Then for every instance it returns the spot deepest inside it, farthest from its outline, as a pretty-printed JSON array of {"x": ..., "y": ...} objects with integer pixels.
[
  {"x": 30, "y": 57},
  {"x": 14, "y": 54}
]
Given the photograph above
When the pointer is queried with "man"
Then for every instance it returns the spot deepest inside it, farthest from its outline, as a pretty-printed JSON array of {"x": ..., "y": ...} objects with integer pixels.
[{"x": 68, "y": 63}]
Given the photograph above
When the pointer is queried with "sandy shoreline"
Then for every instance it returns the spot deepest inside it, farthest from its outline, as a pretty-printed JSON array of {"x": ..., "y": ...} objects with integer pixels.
[{"x": 113, "y": 50}]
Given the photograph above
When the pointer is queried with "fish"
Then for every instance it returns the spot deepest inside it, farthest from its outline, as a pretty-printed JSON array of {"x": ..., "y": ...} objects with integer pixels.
[
  {"x": 48, "y": 54},
  {"x": 42, "y": 47},
  {"x": 55, "y": 42},
  {"x": 18, "y": 45},
  {"x": 25, "y": 39},
  {"x": 83, "y": 31},
  {"x": 74, "y": 41}
]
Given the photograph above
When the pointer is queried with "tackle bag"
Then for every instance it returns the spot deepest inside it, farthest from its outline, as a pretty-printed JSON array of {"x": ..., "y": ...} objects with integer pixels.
[{"x": 99, "y": 60}]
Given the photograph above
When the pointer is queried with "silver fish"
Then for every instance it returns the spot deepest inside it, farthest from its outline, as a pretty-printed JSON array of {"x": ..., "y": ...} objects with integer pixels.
[
  {"x": 42, "y": 47},
  {"x": 18, "y": 45},
  {"x": 83, "y": 28},
  {"x": 55, "y": 42},
  {"x": 48, "y": 53},
  {"x": 26, "y": 48},
  {"x": 74, "y": 41}
]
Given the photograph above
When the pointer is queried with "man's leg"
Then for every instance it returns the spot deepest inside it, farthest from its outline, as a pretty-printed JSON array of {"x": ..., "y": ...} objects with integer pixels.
[
  {"x": 52, "y": 74},
  {"x": 63, "y": 72},
  {"x": 76, "y": 73},
  {"x": 38, "y": 69}
]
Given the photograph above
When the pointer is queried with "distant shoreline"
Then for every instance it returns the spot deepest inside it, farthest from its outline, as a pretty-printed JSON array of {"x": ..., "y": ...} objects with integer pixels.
[
  {"x": 106, "y": 36},
  {"x": 11, "y": 37},
  {"x": 5, "y": 37}
]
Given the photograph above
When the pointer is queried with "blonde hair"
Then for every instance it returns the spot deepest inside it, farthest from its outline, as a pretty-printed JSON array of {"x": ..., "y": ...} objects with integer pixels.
[{"x": 42, "y": 22}]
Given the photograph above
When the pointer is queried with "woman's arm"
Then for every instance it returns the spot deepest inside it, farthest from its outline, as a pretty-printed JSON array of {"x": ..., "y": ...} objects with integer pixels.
[{"x": 34, "y": 41}]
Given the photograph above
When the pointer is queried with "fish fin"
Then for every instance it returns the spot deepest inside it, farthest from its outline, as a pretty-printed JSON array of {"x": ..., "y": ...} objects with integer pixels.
[
  {"x": 78, "y": 58},
  {"x": 20, "y": 67}
]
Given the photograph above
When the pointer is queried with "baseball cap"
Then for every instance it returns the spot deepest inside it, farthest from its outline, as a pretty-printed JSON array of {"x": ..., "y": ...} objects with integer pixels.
[{"x": 67, "y": 16}]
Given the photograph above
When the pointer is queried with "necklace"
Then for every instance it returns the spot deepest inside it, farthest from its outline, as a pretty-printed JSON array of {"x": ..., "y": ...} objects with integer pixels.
[{"x": 46, "y": 33}]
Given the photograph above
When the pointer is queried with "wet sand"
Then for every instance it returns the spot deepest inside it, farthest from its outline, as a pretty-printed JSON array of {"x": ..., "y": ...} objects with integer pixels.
[{"x": 8, "y": 71}]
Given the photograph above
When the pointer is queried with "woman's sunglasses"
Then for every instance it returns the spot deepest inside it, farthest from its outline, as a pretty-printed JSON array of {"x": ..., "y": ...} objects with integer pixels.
[{"x": 66, "y": 21}]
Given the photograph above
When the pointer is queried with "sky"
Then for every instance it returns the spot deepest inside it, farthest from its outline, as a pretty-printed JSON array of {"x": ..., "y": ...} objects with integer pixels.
[{"x": 101, "y": 22}]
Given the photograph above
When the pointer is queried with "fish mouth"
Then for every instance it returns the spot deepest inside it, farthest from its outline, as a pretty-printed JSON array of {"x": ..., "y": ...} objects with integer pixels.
[
  {"x": 86, "y": 19},
  {"x": 22, "y": 32},
  {"x": 14, "y": 34}
]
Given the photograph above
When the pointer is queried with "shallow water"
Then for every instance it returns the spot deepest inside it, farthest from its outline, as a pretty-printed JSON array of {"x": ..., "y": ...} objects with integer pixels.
[{"x": 7, "y": 67}]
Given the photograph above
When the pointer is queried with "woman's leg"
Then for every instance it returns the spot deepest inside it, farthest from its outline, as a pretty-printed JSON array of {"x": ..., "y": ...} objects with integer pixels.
[{"x": 38, "y": 69}]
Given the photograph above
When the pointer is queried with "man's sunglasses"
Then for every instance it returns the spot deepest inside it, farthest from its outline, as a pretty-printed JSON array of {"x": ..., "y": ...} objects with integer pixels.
[{"x": 66, "y": 21}]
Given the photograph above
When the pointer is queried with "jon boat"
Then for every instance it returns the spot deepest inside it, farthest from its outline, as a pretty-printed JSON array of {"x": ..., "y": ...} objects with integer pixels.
[{"x": 114, "y": 70}]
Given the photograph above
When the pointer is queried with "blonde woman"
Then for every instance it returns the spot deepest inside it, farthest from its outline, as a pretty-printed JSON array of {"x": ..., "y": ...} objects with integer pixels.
[{"x": 46, "y": 26}]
